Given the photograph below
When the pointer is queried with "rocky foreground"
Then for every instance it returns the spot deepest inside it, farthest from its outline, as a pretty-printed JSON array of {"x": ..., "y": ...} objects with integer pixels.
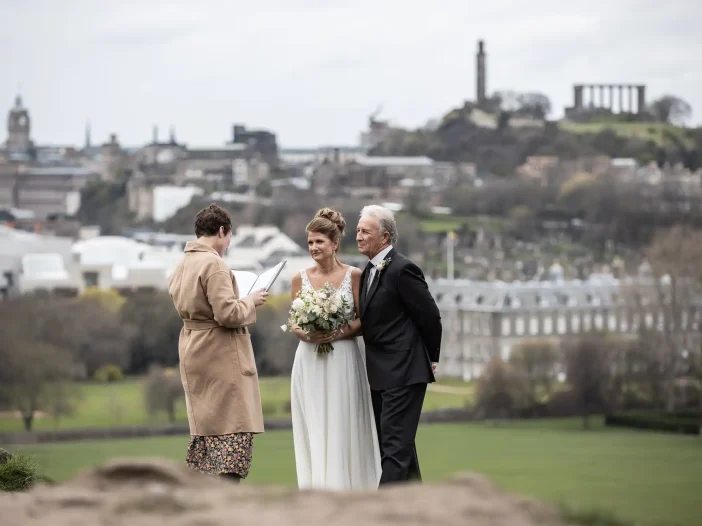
[{"x": 140, "y": 492}]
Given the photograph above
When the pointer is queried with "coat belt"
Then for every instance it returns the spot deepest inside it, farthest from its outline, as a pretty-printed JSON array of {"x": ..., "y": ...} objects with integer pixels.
[
  {"x": 205, "y": 325},
  {"x": 201, "y": 325}
]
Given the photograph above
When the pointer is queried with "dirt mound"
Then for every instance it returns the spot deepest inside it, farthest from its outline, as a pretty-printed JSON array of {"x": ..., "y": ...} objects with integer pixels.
[{"x": 142, "y": 492}]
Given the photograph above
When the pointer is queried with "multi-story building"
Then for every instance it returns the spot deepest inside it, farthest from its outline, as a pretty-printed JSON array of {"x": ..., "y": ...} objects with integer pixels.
[
  {"x": 388, "y": 178},
  {"x": 47, "y": 180},
  {"x": 483, "y": 320},
  {"x": 241, "y": 165}
]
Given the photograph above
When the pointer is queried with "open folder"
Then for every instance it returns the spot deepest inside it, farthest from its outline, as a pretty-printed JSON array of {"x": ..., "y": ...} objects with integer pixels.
[{"x": 248, "y": 281}]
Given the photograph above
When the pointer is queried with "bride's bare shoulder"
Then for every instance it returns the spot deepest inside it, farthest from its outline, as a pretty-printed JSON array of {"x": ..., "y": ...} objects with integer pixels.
[{"x": 355, "y": 271}]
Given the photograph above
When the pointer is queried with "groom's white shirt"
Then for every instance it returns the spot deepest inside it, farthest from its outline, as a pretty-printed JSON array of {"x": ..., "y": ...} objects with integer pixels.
[{"x": 380, "y": 256}]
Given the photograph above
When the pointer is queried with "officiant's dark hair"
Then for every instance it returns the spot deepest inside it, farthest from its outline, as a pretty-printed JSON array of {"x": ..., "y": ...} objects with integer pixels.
[
  {"x": 208, "y": 220},
  {"x": 329, "y": 223}
]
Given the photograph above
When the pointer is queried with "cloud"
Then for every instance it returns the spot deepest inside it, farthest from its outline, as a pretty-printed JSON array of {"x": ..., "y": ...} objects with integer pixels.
[{"x": 312, "y": 70}]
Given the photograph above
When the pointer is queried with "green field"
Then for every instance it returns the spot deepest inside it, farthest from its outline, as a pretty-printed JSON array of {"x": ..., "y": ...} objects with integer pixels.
[
  {"x": 439, "y": 224},
  {"x": 642, "y": 478},
  {"x": 102, "y": 405}
]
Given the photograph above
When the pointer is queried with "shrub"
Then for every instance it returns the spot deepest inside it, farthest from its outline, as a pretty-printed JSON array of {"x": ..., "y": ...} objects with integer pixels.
[
  {"x": 108, "y": 373},
  {"x": 269, "y": 408},
  {"x": 17, "y": 472},
  {"x": 562, "y": 404},
  {"x": 163, "y": 390},
  {"x": 685, "y": 422},
  {"x": 499, "y": 391},
  {"x": 287, "y": 407}
]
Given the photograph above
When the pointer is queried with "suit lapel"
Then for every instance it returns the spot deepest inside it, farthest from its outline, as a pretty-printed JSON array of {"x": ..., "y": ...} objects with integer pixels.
[{"x": 378, "y": 277}]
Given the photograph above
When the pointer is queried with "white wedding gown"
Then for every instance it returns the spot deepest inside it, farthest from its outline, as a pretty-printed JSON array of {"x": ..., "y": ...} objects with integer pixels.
[{"x": 336, "y": 442}]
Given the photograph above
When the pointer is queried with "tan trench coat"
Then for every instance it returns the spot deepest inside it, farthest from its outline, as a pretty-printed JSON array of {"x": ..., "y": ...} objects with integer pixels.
[{"x": 217, "y": 364}]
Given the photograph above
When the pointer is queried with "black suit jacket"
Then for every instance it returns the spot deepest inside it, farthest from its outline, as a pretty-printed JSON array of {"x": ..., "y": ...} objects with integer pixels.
[{"x": 401, "y": 325}]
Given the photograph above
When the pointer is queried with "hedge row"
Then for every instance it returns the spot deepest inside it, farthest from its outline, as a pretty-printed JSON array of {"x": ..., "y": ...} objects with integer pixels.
[{"x": 685, "y": 422}]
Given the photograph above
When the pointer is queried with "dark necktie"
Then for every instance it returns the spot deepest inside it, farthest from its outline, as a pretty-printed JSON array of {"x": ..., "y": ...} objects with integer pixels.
[{"x": 371, "y": 274}]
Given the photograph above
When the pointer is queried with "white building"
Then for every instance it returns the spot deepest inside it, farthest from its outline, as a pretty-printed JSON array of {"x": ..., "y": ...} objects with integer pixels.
[
  {"x": 483, "y": 320},
  {"x": 32, "y": 262}
]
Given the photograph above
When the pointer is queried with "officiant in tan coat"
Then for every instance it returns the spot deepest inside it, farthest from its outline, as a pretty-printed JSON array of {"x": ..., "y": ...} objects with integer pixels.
[{"x": 217, "y": 364}]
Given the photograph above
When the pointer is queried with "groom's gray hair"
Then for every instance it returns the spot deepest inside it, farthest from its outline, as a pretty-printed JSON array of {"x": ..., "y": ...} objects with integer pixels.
[{"x": 386, "y": 219}]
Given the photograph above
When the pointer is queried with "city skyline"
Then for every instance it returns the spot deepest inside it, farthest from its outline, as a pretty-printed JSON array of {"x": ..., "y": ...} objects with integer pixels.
[{"x": 312, "y": 72}]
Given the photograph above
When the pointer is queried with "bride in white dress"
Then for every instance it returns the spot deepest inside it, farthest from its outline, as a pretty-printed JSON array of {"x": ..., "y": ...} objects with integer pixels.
[{"x": 336, "y": 442}]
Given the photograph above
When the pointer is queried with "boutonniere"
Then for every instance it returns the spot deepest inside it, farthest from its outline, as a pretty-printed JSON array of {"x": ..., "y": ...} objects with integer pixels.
[{"x": 379, "y": 268}]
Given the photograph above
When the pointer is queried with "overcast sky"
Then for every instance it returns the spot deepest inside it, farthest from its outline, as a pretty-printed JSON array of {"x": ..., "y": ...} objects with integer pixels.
[{"x": 313, "y": 70}]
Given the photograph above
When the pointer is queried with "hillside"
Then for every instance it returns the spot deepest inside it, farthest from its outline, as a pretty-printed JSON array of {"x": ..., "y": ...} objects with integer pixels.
[{"x": 458, "y": 139}]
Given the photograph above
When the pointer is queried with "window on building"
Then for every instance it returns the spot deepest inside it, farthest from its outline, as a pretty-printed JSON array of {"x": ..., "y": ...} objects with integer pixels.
[
  {"x": 90, "y": 279},
  {"x": 548, "y": 325}
]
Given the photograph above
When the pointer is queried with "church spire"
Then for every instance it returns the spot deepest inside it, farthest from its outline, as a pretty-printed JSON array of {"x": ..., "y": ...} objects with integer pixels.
[
  {"x": 87, "y": 135},
  {"x": 18, "y": 97}
]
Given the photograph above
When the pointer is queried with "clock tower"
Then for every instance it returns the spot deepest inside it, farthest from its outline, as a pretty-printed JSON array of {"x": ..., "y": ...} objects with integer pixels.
[{"x": 18, "y": 128}]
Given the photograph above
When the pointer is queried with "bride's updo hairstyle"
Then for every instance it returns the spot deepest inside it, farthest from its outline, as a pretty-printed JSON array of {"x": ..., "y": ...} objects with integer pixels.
[{"x": 329, "y": 223}]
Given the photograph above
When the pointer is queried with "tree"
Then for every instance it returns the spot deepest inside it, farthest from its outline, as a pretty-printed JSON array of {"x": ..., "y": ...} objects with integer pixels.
[
  {"x": 35, "y": 377},
  {"x": 499, "y": 389},
  {"x": 156, "y": 330},
  {"x": 536, "y": 363},
  {"x": 274, "y": 350},
  {"x": 92, "y": 328},
  {"x": 644, "y": 370},
  {"x": 105, "y": 204},
  {"x": 89, "y": 327},
  {"x": 673, "y": 294},
  {"x": 531, "y": 104},
  {"x": 696, "y": 373},
  {"x": 508, "y": 100},
  {"x": 34, "y": 372},
  {"x": 503, "y": 120},
  {"x": 264, "y": 189},
  {"x": 588, "y": 373},
  {"x": 535, "y": 105},
  {"x": 62, "y": 397},
  {"x": 410, "y": 238},
  {"x": 163, "y": 389},
  {"x": 671, "y": 109},
  {"x": 522, "y": 224}
]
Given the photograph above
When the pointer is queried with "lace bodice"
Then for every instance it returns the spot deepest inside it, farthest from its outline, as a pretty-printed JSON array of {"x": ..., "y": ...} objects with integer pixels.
[{"x": 345, "y": 289}]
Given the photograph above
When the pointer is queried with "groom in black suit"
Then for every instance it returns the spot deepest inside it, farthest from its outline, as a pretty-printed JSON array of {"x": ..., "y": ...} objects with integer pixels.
[{"x": 401, "y": 328}]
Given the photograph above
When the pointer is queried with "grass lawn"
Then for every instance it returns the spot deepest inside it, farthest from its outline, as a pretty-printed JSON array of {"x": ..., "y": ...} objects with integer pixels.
[
  {"x": 102, "y": 405},
  {"x": 658, "y": 132},
  {"x": 643, "y": 478},
  {"x": 439, "y": 224}
]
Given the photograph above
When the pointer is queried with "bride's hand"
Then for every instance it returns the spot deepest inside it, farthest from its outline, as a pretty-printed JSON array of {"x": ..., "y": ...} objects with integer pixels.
[
  {"x": 342, "y": 333},
  {"x": 321, "y": 337}
]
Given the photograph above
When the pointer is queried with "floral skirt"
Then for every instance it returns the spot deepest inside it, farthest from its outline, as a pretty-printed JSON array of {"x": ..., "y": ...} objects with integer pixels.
[{"x": 216, "y": 455}]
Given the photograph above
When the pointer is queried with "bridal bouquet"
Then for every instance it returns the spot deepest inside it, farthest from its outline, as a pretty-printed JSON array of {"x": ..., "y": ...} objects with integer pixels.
[{"x": 323, "y": 310}]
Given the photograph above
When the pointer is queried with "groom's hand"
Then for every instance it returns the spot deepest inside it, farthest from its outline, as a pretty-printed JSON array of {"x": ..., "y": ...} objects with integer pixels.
[{"x": 434, "y": 365}]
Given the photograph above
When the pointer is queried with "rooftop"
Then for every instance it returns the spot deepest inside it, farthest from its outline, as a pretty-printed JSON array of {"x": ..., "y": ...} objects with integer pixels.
[{"x": 395, "y": 161}]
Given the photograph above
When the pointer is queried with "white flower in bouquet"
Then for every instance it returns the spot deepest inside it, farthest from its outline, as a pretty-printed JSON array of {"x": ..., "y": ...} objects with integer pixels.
[
  {"x": 335, "y": 305},
  {"x": 323, "y": 310}
]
